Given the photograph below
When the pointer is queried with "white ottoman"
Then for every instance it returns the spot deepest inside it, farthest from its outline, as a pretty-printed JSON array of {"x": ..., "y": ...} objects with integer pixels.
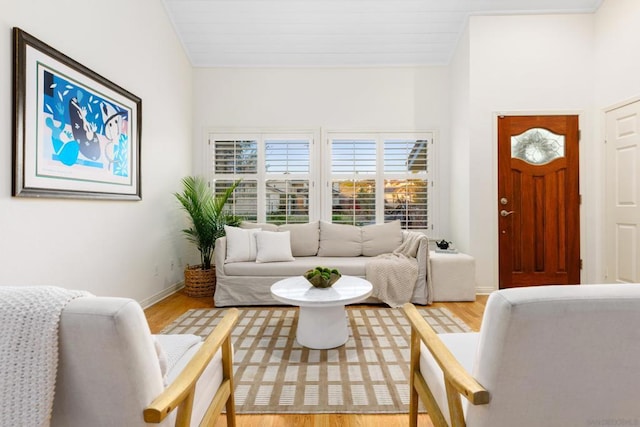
[{"x": 453, "y": 276}]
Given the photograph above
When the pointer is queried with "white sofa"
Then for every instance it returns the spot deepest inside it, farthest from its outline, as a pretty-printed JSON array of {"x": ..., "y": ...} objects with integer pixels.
[{"x": 345, "y": 247}]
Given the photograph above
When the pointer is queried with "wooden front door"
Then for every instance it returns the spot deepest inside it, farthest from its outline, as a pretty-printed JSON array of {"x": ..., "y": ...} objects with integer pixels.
[{"x": 538, "y": 200}]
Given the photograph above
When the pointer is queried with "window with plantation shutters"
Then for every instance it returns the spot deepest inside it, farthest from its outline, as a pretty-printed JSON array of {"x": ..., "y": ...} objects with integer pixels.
[
  {"x": 353, "y": 183},
  {"x": 275, "y": 170},
  {"x": 380, "y": 177},
  {"x": 287, "y": 201},
  {"x": 356, "y": 178},
  {"x": 287, "y": 172},
  {"x": 405, "y": 181},
  {"x": 235, "y": 159},
  {"x": 244, "y": 200}
]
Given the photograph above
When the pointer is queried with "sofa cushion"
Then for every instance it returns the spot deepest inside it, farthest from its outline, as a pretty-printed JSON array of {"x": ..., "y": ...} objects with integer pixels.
[
  {"x": 261, "y": 225},
  {"x": 351, "y": 266},
  {"x": 304, "y": 238},
  {"x": 273, "y": 246},
  {"x": 241, "y": 244},
  {"x": 380, "y": 239},
  {"x": 339, "y": 240}
]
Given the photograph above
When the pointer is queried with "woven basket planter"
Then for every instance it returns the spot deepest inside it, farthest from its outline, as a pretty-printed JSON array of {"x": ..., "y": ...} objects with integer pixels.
[{"x": 199, "y": 282}]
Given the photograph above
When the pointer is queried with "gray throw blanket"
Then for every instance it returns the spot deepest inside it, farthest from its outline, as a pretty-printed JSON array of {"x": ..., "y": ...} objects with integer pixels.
[{"x": 394, "y": 275}]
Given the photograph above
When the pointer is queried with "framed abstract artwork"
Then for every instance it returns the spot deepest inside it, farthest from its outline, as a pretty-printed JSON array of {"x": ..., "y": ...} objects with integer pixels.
[{"x": 75, "y": 133}]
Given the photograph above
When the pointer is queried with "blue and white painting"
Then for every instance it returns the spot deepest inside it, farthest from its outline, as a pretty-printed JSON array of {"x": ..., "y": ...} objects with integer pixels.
[{"x": 82, "y": 134}]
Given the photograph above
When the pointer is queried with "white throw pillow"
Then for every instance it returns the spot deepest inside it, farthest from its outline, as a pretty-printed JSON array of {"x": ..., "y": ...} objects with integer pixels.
[
  {"x": 273, "y": 246},
  {"x": 241, "y": 244}
]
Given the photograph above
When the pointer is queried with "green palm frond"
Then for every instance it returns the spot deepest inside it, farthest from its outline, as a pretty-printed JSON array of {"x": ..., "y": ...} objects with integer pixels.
[{"x": 207, "y": 215}]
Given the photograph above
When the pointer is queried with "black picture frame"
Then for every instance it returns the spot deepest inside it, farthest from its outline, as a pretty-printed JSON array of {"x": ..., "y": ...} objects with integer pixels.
[{"x": 75, "y": 133}]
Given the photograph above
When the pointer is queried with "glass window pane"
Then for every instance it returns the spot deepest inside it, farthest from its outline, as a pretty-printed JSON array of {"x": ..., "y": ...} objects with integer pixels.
[
  {"x": 353, "y": 156},
  {"x": 287, "y": 201},
  {"x": 537, "y": 146},
  {"x": 235, "y": 157},
  {"x": 244, "y": 200},
  {"x": 287, "y": 156},
  {"x": 353, "y": 202},
  {"x": 407, "y": 200},
  {"x": 405, "y": 155}
]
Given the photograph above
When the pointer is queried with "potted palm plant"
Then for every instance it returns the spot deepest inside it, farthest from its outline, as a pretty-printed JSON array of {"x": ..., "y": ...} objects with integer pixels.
[{"x": 208, "y": 218}]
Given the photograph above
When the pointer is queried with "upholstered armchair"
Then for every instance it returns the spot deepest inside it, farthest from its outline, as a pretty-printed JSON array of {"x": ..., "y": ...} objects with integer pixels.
[
  {"x": 113, "y": 372},
  {"x": 545, "y": 356}
]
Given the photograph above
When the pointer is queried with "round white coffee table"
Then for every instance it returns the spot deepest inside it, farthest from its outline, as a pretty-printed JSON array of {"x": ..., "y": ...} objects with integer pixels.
[{"x": 322, "y": 322}]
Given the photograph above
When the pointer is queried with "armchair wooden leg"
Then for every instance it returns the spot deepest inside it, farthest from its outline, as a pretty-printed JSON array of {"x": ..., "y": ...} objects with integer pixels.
[
  {"x": 413, "y": 394},
  {"x": 435, "y": 414},
  {"x": 455, "y": 405},
  {"x": 183, "y": 418},
  {"x": 227, "y": 372},
  {"x": 413, "y": 409}
]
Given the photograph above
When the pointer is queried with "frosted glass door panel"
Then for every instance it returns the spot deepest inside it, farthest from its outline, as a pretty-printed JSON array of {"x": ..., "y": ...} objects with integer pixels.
[{"x": 537, "y": 146}]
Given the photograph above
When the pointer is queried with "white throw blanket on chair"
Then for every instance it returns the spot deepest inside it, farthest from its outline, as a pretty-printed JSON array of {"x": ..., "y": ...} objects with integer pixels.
[
  {"x": 394, "y": 275},
  {"x": 29, "y": 318}
]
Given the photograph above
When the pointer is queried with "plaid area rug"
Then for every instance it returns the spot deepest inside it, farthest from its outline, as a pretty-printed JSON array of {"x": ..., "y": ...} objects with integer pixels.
[{"x": 275, "y": 374}]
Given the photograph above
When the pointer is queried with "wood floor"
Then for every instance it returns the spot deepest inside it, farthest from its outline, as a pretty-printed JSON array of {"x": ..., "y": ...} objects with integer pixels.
[{"x": 167, "y": 310}]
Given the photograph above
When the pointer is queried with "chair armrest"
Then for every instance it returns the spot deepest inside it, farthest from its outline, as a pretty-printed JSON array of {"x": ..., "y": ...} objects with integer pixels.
[
  {"x": 181, "y": 390},
  {"x": 453, "y": 371}
]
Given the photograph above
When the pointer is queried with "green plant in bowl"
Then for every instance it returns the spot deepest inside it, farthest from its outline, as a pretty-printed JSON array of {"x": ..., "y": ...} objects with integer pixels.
[{"x": 322, "y": 277}]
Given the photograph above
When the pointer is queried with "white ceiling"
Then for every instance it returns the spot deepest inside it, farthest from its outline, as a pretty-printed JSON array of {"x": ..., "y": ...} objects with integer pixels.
[{"x": 326, "y": 33}]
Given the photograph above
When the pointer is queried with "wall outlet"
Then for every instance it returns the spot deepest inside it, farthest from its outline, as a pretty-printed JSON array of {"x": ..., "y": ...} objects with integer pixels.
[
  {"x": 172, "y": 265},
  {"x": 156, "y": 270}
]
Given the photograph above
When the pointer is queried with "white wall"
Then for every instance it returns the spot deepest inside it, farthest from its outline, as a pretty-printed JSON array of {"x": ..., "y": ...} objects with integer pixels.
[
  {"x": 459, "y": 163},
  {"x": 105, "y": 247},
  {"x": 403, "y": 98},
  {"x": 617, "y": 62},
  {"x": 526, "y": 64}
]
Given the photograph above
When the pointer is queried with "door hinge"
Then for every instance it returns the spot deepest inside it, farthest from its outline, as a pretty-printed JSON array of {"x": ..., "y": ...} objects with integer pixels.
[
  {"x": 580, "y": 198},
  {"x": 579, "y": 135},
  {"x": 581, "y": 264}
]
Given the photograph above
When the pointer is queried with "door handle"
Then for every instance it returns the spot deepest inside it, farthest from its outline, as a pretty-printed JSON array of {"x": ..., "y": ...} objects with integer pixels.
[{"x": 505, "y": 213}]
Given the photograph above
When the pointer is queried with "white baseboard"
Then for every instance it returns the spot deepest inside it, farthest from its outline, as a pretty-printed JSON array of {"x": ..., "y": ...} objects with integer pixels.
[
  {"x": 148, "y": 302},
  {"x": 481, "y": 290}
]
